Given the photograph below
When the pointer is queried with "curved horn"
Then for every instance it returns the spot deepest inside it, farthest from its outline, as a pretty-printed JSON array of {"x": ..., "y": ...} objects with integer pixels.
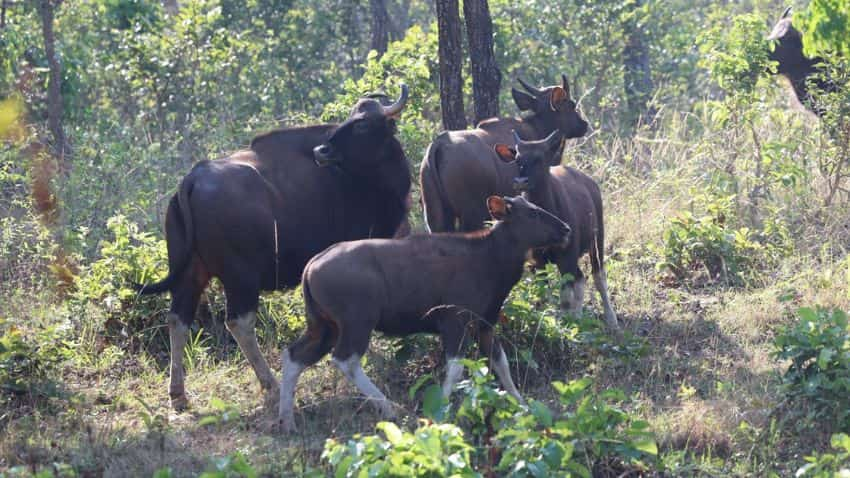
[
  {"x": 785, "y": 13},
  {"x": 517, "y": 139},
  {"x": 565, "y": 84},
  {"x": 534, "y": 91},
  {"x": 552, "y": 135},
  {"x": 396, "y": 107}
]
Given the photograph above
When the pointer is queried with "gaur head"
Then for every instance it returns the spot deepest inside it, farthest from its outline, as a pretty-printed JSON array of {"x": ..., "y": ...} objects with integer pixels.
[
  {"x": 535, "y": 225},
  {"x": 788, "y": 44},
  {"x": 356, "y": 143},
  {"x": 533, "y": 159},
  {"x": 553, "y": 106}
]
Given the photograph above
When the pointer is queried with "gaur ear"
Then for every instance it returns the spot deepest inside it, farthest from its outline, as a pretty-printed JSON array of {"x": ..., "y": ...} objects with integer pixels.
[
  {"x": 505, "y": 152},
  {"x": 523, "y": 100},
  {"x": 498, "y": 207},
  {"x": 559, "y": 95}
]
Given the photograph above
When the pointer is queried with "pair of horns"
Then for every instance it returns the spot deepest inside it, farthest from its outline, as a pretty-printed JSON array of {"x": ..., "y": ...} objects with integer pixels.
[{"x": 537, "y": 92}]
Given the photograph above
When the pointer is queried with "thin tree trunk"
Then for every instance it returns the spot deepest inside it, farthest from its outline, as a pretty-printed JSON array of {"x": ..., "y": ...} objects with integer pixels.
[
  {"x": 3, "y": 14},
  {"x": 171, "y": 7},
  {"x": 380, "y": 26},
  {"x": 399, "y": 19},
  {"x": 637, "y": 74},
  {"x": 486, "y": 77},
  {"x": 450, "y": 52},
  {"x": 61, "y": 148}
]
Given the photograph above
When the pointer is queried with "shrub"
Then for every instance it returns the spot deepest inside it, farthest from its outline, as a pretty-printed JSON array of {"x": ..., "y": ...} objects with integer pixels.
[
  {"x": 828, "y": 465},
  {"x": 26, "y": 366},
  {"x": 709, "y": 243},
  {"x": 818, "y": 346},
  {"x": 109, "y": 310},
  {"x": 433, "y": 449},
  {"x": 590, "y": 434}
]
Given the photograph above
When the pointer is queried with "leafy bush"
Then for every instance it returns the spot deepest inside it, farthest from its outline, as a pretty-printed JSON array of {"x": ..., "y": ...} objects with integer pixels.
[
  {"x": 589, "y": 434},
  {"x": 736, "y": 56},
  {"x": 26, "y": 365},
  {"x": 710, "y": 244},
  {"x": 592, "y": 435},
  {"x": 825, "y": 25},
  {"x": 828, "y": 465},
  {"x": 433, "y": 449},
  {"x": 108, "y": 309},
  {"x": 818, "y": 346},
  {"x": 541, "y": 333}
]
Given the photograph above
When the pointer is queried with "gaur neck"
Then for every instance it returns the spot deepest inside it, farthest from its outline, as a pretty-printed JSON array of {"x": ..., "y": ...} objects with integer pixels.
[
  {"x": 541, "y": 195},
  {"x": 508, "y": 243},
  {"x": 535, "y": 128}
]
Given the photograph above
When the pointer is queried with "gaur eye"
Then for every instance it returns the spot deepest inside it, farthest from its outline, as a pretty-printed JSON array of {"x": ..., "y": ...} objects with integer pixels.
[{"x": 361, "y": 127}]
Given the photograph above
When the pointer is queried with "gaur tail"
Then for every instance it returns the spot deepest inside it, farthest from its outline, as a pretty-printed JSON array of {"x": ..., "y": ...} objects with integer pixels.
[
  {"x": 179, "y": 213},
  {"x": 438, "y": 215},
  {"x": 597, "y": 251}
]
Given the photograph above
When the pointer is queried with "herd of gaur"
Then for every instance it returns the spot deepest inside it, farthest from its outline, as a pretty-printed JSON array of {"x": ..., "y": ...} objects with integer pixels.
[{"x": 326, "y": 206}]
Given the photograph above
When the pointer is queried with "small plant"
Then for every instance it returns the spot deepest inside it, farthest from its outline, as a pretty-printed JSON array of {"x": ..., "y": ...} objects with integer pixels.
[
  {"x": 223, "y": 412},
  {"x": 818, "y": 346},
  {"x": 232, "y": 466},
  {"x": 433, "y": 449},
  {"x": 828, "y": 465},
  {"x": 590, "y": 437},
  {"x": 708, "y": 243},
  {"x": 26, "y": 365},
  {"x": 114, "y": 312}
]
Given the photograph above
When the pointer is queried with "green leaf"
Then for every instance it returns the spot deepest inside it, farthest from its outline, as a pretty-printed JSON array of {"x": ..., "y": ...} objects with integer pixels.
[
  {"x": 433, "y": 403},
  {"x": 542, "y": 413},
  {"x": 646, "y": 445},
  {"x": 840, "y": 440},
  {"x": 394, "y": 435},
  {"x": 418, "y": 384},
  {"x": 824, "y": 357}
]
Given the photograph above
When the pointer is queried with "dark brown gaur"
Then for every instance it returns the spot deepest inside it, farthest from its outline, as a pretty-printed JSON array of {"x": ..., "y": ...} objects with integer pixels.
[
  {"x": 460, "y": 169},
  {"x": 254, "y": 219},
  {"x": 574, "y": 197},
  {"x": 794, "y": 65},
  {"x": 446, "y": 284}
]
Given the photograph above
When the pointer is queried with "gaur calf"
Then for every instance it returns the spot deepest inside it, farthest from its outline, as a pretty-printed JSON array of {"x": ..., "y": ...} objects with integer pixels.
[
  {"x": 574, "y": 197},
  {"x": 440, "y": 284}
]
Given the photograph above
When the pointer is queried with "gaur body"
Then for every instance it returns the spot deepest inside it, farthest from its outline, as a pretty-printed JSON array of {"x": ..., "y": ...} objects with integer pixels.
[
  {"x": 460, "y": 169},
  {"x": 255, "y": 218},
  {"x": 438, "y": 283}
]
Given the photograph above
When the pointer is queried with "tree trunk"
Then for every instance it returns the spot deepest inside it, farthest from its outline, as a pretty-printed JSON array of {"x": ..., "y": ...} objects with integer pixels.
[
  {"x": 450, "y": 52},
  {"x": 61, "y": 148},
  {"x": 486, "y": 77},
  {"x": 2, "y": 14},
  {"x": 637, "y": 75},
  {"x": 399, "y": 19},
  {"x": 380, "y": 26},
  {"x": 171, "y": 7}
]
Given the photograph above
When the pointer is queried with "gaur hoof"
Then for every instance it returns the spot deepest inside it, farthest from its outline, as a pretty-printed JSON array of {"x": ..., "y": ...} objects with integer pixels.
[{"x": 179, "y": 402}]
